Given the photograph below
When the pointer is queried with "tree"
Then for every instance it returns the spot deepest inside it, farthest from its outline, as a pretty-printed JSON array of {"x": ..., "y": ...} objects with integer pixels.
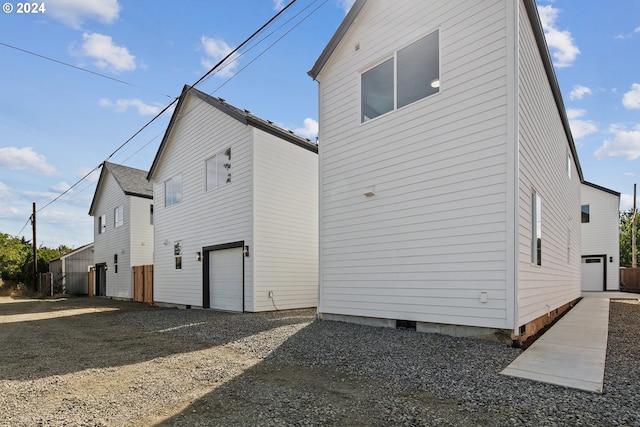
[
  {"x": 16, "y": 259},
  {"x": 626, "y": 218}
]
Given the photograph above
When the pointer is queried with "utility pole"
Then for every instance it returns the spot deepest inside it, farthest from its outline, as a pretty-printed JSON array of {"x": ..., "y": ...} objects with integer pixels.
[
  {"x": 35, "y": 250},
  {"x": 634, "y": 251}
]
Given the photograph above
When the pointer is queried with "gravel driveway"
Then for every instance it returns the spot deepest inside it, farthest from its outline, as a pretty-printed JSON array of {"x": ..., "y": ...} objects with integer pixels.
[{"x": 98, "y": 362}]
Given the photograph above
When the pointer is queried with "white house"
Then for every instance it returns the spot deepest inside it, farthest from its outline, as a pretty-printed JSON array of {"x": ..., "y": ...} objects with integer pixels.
[
  {"x": 70, "y": 271},
  {"x": 449, "y": 179},
  {"x": 600, "y": 223},
  {"x": 122, "y": 208},
  {"x": 236, "y": 211}
]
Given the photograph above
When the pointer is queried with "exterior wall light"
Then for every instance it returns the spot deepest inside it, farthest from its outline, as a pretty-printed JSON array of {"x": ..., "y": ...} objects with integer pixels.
[
  {"x": 245, "y": 251},
  {"x": 198, "y": 256}
]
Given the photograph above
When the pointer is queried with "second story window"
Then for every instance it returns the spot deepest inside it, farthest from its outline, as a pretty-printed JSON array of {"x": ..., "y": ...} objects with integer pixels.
[
  {"x": 173, "y": 191},
  {"x": 411, "y": 74},
  {"x": 219, "y": 170},
  {"x": 102, "y": 224},
  {"x": 118, "y": 216}
]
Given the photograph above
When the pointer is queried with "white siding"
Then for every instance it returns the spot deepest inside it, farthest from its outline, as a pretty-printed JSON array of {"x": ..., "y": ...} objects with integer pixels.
[
  {"x": 543, "y": 168},
  {"x": 435, "y": 235},
  {"x": 203, "y": 218},
  {"x": 601, "y": 236},
  {"x": 285, "y": 248},
  {"x": 141, "y": 231},
  {"x": 114, "y": 240}
]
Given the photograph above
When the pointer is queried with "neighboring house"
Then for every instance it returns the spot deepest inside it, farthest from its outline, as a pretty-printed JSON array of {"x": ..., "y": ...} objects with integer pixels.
[
  {"x": 122, "y": 208},
  {"x": 450, "y": 183},
  {"x": 236, "y": 211},
  {"x": 70, "y": 271},
  {"x": 600, "y": 223}
]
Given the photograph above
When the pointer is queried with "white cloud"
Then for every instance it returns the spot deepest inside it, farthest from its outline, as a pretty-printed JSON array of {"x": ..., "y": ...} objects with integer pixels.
[
  {"x": 278, "y": 4},
  {"x": 579, "y": 92},
  {"x": 345, "y": 4},
  {"x": 107, "y": 55},
  {"x": 309, "y": 129},
  {"x": 580, "y": 128},
  {"x": 74, "y": 12},
  {"x": 216, "y": 49},
  {"x": 121, "y": 105},
  {"x": 626, "y": 202},
  {"x": 631, "y": 99},
  {"x": 560, "y": 42},
  {"x": 14, "y": 158},
  {"x": 624, "y": 143},
  {"x": 60, "y": 187}
]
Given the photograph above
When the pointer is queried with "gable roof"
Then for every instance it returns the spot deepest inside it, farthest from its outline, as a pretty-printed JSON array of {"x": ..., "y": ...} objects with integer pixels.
[
  {"x": 73, "y": 251},
  {"x": 534, "y": 19},
  {"x": 132, "y": 181},
  {"x": 243, "y": 116},
  {"x": 597, "y": 187}
]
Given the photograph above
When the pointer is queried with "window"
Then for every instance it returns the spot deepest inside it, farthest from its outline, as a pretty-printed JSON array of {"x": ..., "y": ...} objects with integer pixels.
[
  {"x": 569, "y": 164},
  {"x": 536, "y": 227},
  {"x": 412, "y": 74},
  {"x": 118, "y": 216},
  {"x": 102, "y": 224},
  {"x": 150, "y": 214},
  {"x": 115, "y": 263},
  {"x": 177, "y": 253},
  {"x": 173, "y": 191},
  {"x": 219, "y": 170},
  {"x": 585, "y": 214}
]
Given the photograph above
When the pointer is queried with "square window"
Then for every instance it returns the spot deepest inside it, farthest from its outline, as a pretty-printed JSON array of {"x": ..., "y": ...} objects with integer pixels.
[{"x": 411, "y": 74}]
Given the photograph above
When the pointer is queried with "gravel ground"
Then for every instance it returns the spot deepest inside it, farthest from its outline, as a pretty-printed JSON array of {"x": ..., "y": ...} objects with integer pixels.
[{"x": 110, "y": 363}]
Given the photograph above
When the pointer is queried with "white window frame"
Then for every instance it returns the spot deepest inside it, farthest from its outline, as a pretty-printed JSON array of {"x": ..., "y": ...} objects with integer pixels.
[
  {"x": 171, "y": 196},
  {"x": 118, "y": 216},
  {"x": 223, "y": 157},
  {"x": 394, "y": 57}
]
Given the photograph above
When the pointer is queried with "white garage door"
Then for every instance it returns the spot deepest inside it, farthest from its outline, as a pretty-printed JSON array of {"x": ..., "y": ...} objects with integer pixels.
[
  {"x": 592, "y": 274},
  {"x": 225, "y": 279}
]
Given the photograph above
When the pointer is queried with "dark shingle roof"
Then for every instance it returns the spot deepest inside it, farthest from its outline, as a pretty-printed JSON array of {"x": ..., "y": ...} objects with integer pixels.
[
  {"x": 243, "y": 116},
  {"x": 132, "y": 181}
]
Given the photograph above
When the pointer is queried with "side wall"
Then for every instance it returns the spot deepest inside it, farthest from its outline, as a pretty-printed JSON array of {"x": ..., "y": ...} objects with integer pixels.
[
  {"x": 203, "y": 218},
  {"x": 543, "y": 150},
  {"x": 286, "y": 224},
  {"x": 601, "y": 235},
  {"x": 141, "y": 231},
  {"x": 114, "y": 240},
  {"x": 432, "y": 244},
  {"x": 76, "y": 269}
]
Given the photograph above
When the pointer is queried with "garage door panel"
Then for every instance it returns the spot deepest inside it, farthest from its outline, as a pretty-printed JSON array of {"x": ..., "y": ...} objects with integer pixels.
[
  {"x": 593, "y": 274},
  {"x": 226, "y": 279}
]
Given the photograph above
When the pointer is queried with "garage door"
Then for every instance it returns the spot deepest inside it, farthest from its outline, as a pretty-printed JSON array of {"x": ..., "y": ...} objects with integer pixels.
[
  {"x": 593, "y": 274},
  {"x": 226, "y": 279}
]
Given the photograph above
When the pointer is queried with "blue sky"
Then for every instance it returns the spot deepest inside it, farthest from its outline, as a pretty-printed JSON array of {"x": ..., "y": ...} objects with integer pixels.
[{"x": 57, "y": 122}]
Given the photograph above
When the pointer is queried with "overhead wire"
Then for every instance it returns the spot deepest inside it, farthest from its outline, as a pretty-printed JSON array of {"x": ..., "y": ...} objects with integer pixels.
[
  {"x": 78, "y": 68},
  {"x": 213, "y": 70}
]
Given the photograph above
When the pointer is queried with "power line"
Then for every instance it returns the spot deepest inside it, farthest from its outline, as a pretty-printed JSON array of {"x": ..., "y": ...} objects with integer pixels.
[
  {"x": 76, "y": 67},
  {"x": 213, "y": 69}
]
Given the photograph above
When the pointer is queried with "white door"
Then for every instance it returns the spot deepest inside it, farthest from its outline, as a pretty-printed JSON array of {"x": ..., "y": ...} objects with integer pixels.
[
  {"x": 593, "y": 274},
  {"x": 226, "y": 279}
]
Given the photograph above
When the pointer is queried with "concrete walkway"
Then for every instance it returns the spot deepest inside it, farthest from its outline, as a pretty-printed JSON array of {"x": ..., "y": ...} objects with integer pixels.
[{"x": 572, "y": 352}]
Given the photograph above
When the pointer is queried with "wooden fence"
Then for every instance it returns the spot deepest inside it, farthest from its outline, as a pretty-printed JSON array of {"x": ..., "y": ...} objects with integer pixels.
[
  {"x": 630, "y": 278},
  {"x": 143, "y": 283}
]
